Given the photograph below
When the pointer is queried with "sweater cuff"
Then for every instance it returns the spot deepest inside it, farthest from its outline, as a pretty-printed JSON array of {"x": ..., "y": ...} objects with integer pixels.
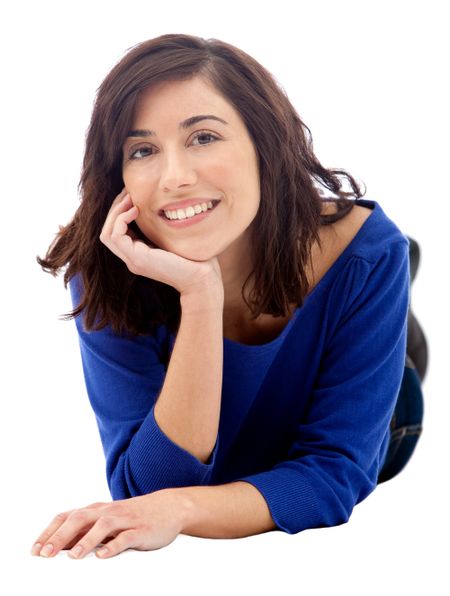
[
  {"x": 290, "y": 498},
  {"x": 156, "y": 462}
]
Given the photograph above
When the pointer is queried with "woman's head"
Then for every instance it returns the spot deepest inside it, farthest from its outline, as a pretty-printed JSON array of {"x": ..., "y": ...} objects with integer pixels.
[
  {"x": 174, "y": 154},
  {"x": 155, "y": 85}
]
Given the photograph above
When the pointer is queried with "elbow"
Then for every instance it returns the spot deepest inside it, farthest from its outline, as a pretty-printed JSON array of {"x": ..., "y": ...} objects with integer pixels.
[
  {"x": 345, "y": 493},
  {"x": 340, "y": 492}
]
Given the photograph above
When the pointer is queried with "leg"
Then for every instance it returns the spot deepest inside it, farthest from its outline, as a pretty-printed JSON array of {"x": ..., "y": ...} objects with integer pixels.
[
  {"x": 417, "y": 347},
  {"x": 406, "y": 423}
]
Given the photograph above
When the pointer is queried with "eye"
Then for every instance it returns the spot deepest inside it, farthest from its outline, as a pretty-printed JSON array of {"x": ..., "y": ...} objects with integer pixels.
[
  {"x": 205, "y": 134},
  {"x": 198, "y": 135},
  {"x": 133, "y": 153}
]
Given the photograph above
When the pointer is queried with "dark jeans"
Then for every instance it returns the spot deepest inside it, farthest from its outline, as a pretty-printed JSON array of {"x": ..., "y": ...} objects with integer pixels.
[{"x": 406, "y": 422}]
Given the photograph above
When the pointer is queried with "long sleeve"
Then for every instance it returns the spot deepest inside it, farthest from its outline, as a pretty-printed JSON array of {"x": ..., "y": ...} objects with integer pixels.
[
  {"x": 124, "y": 376},
  {"x": 340, "y": 442}
]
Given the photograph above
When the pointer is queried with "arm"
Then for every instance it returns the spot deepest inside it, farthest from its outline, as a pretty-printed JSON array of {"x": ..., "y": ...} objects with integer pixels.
[
  {"x": 232, "y": 510},
  {"x": 188, "y": 408},
  {"x": 124, "y": 376},
  {"x": 334, "y": 459}
]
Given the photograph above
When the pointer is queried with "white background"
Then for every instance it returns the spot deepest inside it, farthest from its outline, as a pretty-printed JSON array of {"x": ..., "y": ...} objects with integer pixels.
[{"x": 370, "y": 81}]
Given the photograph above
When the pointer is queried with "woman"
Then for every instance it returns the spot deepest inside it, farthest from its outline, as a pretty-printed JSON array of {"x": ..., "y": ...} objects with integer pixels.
[{"x": 243, "y": 340}]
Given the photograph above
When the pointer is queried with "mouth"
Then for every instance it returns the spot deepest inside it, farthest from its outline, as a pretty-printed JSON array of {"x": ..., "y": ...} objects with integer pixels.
[
  {"x": 213, "y": 201},
  {"x": 190, "y": 220}
]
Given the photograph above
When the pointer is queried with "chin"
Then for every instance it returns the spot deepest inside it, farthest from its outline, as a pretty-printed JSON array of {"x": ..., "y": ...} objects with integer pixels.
[
  {"x": 196, "y": 255},
  {"x": 192, "y": 253}
]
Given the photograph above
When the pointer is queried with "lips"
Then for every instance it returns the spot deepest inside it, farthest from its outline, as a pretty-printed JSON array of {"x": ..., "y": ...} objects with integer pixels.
[
  {"x": 187, "y": 203},
  {"x": 189, "y": 221}
]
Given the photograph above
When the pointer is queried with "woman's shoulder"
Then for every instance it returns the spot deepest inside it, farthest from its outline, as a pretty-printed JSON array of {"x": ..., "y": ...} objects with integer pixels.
[{"x": 334, "y": 238}]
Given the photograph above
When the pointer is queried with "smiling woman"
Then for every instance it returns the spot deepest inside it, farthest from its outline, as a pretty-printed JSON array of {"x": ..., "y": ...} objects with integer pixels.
[
  {"x": 175, "y": 171},
  {"x": 145, "y": 127},
  {"x": 243, "y": 339}
]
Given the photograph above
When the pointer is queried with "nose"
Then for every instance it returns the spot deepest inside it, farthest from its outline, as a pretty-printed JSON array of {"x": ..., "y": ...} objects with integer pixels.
[{"x": 177, "y": 171}]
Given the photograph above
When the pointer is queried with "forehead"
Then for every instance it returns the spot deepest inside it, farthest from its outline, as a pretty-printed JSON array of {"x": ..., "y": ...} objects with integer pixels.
[{"x": 182, "y": 99}]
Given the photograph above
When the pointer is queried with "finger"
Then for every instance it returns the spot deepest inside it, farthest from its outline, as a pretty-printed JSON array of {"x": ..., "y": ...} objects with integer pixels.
[
  {"x": 77, "y": 522},
  {"x": 124, "y": 540},
  {"x": 119, "y": 242},
  {"x": 73, "y": 542},
  {"x": 56, "y": 523},
  {"x": 49, "y": 531},
  {"x": 117, "y": 207},
  {"x": 99, "y": 532},
  {"x": 120, "y": 196},
  {"x": 120, "y": 226},
  {"x": 124, "y": 208}
]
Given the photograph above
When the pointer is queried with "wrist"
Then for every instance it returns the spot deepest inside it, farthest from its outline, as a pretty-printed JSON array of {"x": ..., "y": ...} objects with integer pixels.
[
  {"x": 184, "y": 506},
  {"x": 206, "y": 298}
]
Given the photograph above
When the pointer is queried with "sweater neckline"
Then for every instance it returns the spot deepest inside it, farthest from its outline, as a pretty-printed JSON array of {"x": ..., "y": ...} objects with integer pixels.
[{"x": 375, "y": 207}]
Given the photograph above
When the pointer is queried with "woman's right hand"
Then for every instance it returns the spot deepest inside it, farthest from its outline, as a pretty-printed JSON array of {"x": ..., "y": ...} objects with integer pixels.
[{"x": 186, "y": 276}]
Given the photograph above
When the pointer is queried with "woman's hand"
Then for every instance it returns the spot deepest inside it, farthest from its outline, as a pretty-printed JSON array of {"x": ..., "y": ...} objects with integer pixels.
[
  {"x": 183, "y": 274},
  {"x": 148, "y": 522}
]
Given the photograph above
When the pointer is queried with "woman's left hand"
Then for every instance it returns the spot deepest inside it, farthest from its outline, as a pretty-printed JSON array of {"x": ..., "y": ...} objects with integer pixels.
[{"x": 147, "y": 522}]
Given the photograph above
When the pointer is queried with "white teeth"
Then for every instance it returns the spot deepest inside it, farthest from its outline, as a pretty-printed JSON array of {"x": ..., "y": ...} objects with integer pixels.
[{"x": 189, "y": 212}]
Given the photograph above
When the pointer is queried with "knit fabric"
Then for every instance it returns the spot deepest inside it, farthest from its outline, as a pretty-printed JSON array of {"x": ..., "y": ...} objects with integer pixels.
[{"x": 304, "y": 418}]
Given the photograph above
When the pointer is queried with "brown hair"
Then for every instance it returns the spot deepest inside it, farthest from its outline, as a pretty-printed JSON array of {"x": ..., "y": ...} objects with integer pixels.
[{"x": 291, "y": 181}]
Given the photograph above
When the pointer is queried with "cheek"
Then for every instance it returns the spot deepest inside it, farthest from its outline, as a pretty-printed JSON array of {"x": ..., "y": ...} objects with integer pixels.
[
  {"x": 139, "y": 184},
  {"x": 142, "y": 200},
  {"x": 241, "y": 169},
  {"x": 217, "y": 170}
]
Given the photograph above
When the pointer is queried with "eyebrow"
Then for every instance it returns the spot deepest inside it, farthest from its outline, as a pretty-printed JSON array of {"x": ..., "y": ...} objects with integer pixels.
[{"x": 142, "y": 132}]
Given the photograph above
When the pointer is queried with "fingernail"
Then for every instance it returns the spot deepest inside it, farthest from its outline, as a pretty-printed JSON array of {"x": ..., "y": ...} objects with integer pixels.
[
  {"x": 36, "y": 548},
  {"x": 45, "y": 552},
  {"x": 76, "y": 552},
  {"x": 102, "y": 552}
]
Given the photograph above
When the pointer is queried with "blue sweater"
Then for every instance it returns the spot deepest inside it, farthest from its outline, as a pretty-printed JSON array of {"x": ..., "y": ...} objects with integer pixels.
[{"x": 304, "y": 418}]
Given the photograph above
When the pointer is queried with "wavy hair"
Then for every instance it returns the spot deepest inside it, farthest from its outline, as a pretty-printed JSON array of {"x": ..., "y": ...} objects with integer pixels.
[{"x": 292, "y": 183}]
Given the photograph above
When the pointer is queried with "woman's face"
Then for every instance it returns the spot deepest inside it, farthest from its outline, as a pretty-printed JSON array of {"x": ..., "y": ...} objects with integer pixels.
[{"x": 209, "y": 159}]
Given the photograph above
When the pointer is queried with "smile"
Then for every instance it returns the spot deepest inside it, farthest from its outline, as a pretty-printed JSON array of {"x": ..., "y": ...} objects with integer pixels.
[{"x": 191, "y": 215}]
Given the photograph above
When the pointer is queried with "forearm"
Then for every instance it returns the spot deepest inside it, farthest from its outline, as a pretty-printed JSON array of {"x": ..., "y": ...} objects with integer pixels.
[
  {"x": 188, "y": 407},
  {"x": 232, "y": 510}
]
